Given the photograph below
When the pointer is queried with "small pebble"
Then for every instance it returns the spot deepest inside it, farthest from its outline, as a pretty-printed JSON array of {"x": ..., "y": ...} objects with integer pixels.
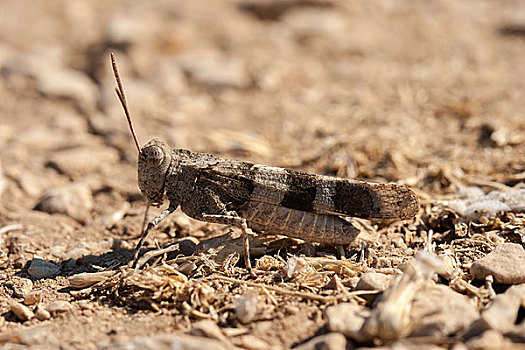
[
  {"x": 21, "y": 312},
  {"x": 85, "y": 305},
  {"x": 19, "y": 262},
  {"x": 43, "y": 269},
  {"x": 251, "y": 342},
  {"x": 21, "y": 286},
  {"x": 70, "y": 84},
  {"x": 58, "y": 306},
  {"x": 87, "y": 313},
  {"x": 348, "y": 318},
  {"x": 307, "y": 22},
  {"x": 214, "y": 70},
  {"x": 247, "y": 307},
  {"x": 439, "y": 311},
  {"x": 188, "y": 245},
  {"x": 33, "y": 298},
  {"x": 502, "y": 313},
  {"x": 42, "y": 314},
  {"x": 374, "y": 281},
  {"x": 69, "y": 264},
  {"x": 73, "y": 199},
  {"x": 79, "y": 161},
  {"x": 506, "y": 263},
  {"x": 125, "y": 31}
]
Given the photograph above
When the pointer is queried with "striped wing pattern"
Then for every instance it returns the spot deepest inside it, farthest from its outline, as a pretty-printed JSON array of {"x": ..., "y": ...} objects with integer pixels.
[{"x": 312, "y": 193}]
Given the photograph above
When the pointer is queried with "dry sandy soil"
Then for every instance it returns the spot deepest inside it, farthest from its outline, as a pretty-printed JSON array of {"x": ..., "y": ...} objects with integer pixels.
[{"x": 430, "y": 94}]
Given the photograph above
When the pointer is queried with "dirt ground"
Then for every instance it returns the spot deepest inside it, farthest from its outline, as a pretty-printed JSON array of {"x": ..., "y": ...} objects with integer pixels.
[{"x": 430, "y": 94}]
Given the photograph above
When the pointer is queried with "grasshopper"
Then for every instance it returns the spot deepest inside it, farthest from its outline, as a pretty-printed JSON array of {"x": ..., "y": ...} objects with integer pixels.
[{"x": 259, "y": 197}]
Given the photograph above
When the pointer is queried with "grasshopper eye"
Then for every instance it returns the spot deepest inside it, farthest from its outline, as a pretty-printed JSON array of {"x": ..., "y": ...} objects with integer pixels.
[{"x": 154, "y": 154}]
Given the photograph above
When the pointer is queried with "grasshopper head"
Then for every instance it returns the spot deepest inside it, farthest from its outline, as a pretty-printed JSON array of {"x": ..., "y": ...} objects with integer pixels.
[{"x": 153, "y": 166}]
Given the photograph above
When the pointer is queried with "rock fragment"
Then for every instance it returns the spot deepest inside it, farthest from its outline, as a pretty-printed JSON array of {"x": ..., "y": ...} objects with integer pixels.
[
  {"x": 41, "y": 268},
  {"x": 79, "y": 161},
  {"x": 348, "y": 318},
  {"x": 126, "y": 31},
  {"x": 214, "y": 70},
  {"x": 392, "y": 317},
  {"x": 74, "y": 200},
  {"x": 42, "y": 314},
  {"x": 502, "y": 313},
  {"x": 22, "y": 312},
  {"x": 506, "y": 263},
  {"x": 69, "y": 84},
  {"x": 186, "y": 246},
  {"x": 439, "y": 311},
  {"x": 33, "y": 184},
  {"x": 330, "y": 341},
  {"x": 374, "y": 281},
  {"x": 306, "y": 22},
  {"x": 33, "y": 298},
  {"x": 59, "y": 306},
  {"x": 251, "y": 342},
  {"x": 20, "y": 286}
]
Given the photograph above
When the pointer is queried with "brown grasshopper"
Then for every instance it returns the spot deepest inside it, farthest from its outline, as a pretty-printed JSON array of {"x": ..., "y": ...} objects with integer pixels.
[{"x": 262, "y": 198}]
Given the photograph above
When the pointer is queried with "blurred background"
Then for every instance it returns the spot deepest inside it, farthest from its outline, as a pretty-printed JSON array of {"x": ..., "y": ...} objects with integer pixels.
[
  {"x": 384, "y": 91},
  {"x": 426, "y": 93}
]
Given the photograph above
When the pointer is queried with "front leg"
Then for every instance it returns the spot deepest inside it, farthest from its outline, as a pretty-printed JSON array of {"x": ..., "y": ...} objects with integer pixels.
[{"x": 150, "y": 226}]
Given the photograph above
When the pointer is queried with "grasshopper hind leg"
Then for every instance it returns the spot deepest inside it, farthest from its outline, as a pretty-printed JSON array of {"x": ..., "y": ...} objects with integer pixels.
[
  {"x": 341, "y": 251},
  {"x": 234, "y": 220},
  {"x": 209, "y": 204}
]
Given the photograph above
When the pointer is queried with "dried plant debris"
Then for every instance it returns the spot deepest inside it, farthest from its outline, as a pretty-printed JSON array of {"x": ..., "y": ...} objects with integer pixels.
[{"x": 317, "y": 86}]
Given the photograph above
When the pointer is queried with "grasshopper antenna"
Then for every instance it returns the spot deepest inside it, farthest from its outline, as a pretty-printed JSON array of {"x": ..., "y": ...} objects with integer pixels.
[
  {"x": 120, "y": 93},
  {"x": 122, "y": 97}
]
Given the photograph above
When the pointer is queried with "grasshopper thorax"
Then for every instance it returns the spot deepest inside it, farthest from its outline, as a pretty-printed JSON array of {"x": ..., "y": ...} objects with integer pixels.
[{"x": 153, "y": 166}]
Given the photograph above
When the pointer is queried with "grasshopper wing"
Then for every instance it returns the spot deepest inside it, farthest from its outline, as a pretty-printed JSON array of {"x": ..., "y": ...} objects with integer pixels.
[{"x": 307, "y": 192}]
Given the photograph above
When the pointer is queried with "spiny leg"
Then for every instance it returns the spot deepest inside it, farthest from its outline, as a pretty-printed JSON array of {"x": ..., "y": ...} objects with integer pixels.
[
  {"x": 235, "y": 221},
  {"x": 150, "y": 226}
]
